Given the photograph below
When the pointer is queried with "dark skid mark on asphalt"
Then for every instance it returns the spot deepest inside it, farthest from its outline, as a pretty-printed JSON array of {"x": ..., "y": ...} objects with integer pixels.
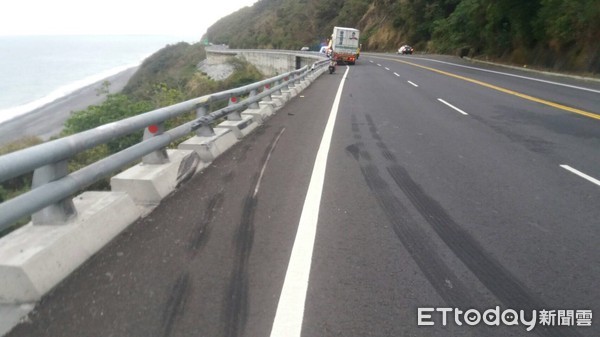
[
  {"x": 490, "y": 272},
  {"x": 236, "y": 297},
  {"x": 531, "y": 143},
  {"x": 413, "y": 237},
  {"x": 201, "y": 232},
  {"x": 175, "y": 304}
]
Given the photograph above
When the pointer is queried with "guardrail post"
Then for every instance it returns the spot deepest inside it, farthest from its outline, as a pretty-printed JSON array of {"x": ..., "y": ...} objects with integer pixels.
[
  {"x": 254, "y": 105},
  {"x": 234, "y": 115},
  {"x": 205, "y": 130},
  {"x": 267, "y": 98},
  {"x": 286, "y": 86},
  {"x": 61, "y": 211},
  {"x": 159, "y": 156}
]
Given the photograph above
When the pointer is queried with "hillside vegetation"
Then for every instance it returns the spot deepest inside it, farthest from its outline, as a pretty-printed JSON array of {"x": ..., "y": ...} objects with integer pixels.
[
  {"x": 167, "y": 77},
  {"x": 558, "y": 34}
]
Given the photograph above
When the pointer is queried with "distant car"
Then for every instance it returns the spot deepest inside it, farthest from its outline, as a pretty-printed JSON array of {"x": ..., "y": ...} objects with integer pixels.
[
  {"x": 406, "y": 49},
  {"x": 304, "y": 49}
]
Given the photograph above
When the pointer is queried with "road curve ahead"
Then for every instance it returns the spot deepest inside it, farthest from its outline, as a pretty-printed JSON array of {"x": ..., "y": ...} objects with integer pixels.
[{"x": 402, "y": 196}]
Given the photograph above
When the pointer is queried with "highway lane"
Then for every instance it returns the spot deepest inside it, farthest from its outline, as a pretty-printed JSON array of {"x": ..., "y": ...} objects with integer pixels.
[
  {"x": 421, "y": 206},
  {"x": 469, "y": 196},
  {"x": 211, "y": 259}
]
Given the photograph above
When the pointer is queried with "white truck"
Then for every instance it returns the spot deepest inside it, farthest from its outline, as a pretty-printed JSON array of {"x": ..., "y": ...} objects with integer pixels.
[{"x": 345, "y": 44}]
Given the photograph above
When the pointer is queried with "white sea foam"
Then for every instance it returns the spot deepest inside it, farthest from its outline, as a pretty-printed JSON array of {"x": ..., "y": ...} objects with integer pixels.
[{"x": 63, "y": 91}]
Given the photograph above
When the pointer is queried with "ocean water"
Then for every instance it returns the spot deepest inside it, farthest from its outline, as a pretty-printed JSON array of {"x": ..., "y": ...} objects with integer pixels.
[{"x": 36, "y": 70}]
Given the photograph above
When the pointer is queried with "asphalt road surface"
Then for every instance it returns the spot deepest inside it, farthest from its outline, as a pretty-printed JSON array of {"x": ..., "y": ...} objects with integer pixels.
[{"x": 392, "y": 194}]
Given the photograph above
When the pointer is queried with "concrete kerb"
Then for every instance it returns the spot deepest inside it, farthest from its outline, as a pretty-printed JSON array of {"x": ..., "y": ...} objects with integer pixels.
[
  {"x": 259, "y": 115},
  {"x": 34, "y": 259},
  {"x": 239, "y": 128},
  {"x": 274, "y": 103},
  {"x": 148, "y": 184},
  {"x": 210, "y": 147},
  {"x": 283, "y": 97}
]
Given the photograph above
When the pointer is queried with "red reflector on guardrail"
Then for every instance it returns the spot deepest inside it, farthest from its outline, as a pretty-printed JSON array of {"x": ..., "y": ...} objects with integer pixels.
[{"x": 153, "y": 128}]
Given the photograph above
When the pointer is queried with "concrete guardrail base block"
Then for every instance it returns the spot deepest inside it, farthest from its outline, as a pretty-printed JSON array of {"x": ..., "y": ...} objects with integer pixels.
[
  {"x": 149, "y": 184},
  {"x": 240, "y": 128},
  {"x": 284, "y": 97},
  {"x": 34, "y": 259},
  {"x": 292, "y": 92},
  {"x": 259, "y": 115},
  {"x": 275, "y": 104},
  {"x": 210, "y": 147},
  {"x": 303, "y": 84}
]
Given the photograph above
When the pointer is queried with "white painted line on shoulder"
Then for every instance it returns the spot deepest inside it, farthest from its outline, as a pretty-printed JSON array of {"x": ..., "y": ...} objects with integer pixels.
[
  {"x": 397, "y": 74},
  {"x": 581, "y": 174},
  {"x": 290, "y": 309},
  {"x": 413, "y": 84},
  {"x": 516, "y": 76},
  {"x": 262, "y": 171},
  {"x": 453, "y": 107}
]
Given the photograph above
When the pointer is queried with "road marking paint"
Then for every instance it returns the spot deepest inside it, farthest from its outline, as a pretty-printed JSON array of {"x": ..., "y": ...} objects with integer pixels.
[
  {"x": 413, "y": 84},
  {"x": 453, "y": 107},
  {"x": 506, "y": 91},
  {"x": 379, "y": 65},
  {"x": 371, "y": 61},
  {"x": 290, "y": 309},
  {"x": 396, "y": 74},
  {"x": 517, "y": 76},
  {"x": 386, "y": 68},
  {"x": 262, "y": 170},
  {"x": 581, "y": 174}
]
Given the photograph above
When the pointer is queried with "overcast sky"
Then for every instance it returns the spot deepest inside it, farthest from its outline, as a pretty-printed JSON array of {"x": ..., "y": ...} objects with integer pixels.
[{"x": 164, "y": 17}]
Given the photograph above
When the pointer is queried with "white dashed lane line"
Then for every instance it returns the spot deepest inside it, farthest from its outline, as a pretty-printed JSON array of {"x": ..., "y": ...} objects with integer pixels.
[
  {"x": 396, "y": 74},
  {"x": 386, "y": 68},
  {"x": 581, "y": 174},
  {"x": 453, "y": 107},
  {"x": 413, "y": 84}
]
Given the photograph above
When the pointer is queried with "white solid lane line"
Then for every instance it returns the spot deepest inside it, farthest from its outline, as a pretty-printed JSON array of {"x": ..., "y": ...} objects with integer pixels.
[
  {"x": 453, "y": 107},
  {"x": 413, "y": 84},
  {"x": 290, "y": 309},
  {"x": 581, "y": 174}
]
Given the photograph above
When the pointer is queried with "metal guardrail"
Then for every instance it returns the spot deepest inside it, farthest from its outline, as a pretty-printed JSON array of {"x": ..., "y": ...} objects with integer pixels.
[{"x": 53, "y": 184}]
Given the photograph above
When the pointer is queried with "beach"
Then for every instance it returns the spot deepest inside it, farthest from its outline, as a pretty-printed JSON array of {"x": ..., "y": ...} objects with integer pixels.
[{"x": 48, "y": 120}]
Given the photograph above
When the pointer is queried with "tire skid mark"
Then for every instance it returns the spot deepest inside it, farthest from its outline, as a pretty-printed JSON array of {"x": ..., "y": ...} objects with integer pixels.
[
  {"x": 175, "y": 305},
  {"x": 202, "y": 231},
  {"x": 412, "y": 236},
  {"x": 236, "y": 301},
  {"x": 235, "y": 313},
  {"x": 495, "y": 277}
]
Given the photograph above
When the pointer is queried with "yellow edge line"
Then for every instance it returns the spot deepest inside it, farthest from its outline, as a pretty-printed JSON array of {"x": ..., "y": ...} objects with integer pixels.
[{"x": 506, "y": 91}]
